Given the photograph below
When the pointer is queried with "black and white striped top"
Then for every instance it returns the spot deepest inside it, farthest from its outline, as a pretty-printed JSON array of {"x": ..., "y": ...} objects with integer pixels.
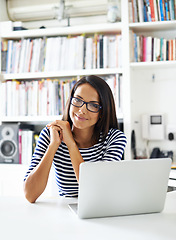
[{"x": 109, "y": 150}]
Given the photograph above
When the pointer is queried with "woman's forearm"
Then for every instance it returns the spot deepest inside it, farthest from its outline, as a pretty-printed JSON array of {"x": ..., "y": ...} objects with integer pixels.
[
  {"x": 76, "y": 159},
  {"x": 37, "y": 180}
]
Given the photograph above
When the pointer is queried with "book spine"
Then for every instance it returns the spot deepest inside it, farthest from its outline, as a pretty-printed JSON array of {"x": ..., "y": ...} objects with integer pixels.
[
  {"x": 4, "y": 46},
  {"x": 166, "y": 10},
  {"x": 161, "y": 10},
  {"x": 148, "y": 10},
  {"x": 101, "y": 51},
  {"x": 20, "y": 145},
  {"x": 145, "y": 12},
  {"x": 172, "y": 12},
  {"x": 141, "y": 10},
  {"x": 54, "y": 53},
  {"x": 152, "y": 10}
]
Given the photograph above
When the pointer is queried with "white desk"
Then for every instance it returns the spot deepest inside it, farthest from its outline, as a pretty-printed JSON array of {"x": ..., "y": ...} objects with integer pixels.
[{"x": 51, "y": 219}]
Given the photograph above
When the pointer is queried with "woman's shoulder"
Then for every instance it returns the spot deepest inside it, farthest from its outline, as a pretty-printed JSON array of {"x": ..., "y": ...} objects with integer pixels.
[
  {"x": 115, "y": 131},
  {"x": 45, "y": 133},
  {"x": 116, "y": 134}
]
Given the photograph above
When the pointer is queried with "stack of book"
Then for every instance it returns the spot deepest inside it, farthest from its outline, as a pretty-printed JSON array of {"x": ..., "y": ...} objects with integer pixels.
[
  {"x": 27, "y": 139},
  {"x": 45, "y": 97},
  {"x": 152, "y": 10},
  {"x": 116, "y": 84},
  {"x": 61, "y": 53},
  {"x": 147, "y": 49}
]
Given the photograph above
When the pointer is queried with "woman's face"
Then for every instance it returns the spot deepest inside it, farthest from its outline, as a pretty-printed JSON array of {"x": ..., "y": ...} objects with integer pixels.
[{"x": 80, "y": 116}]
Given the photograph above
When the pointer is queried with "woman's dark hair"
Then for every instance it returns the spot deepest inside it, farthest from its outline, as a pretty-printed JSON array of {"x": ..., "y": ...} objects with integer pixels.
[{"x": 108, "y": 118}]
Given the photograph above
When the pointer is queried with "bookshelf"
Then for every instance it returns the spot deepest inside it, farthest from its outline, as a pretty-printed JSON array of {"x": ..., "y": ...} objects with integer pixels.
[
  {"x": 64, "y": 33},
  {"x": 146, "y": 85},
  {"x": 38, "y": 75},
  {"x": 152, "y": 84},
  {"x": 40, "y": 121},
  {"x": 88, "y": 30}
]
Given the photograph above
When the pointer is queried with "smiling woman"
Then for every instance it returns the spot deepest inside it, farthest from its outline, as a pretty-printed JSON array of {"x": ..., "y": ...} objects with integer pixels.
[{"x": 88, "y": 132}]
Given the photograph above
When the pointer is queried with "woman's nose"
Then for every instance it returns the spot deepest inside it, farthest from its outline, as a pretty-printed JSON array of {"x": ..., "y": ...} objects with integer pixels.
[{"x": 83, "y": 109}]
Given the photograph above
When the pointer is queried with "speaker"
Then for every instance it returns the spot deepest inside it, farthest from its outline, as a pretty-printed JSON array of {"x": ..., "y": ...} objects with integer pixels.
[{"x": 9, "y": 147}]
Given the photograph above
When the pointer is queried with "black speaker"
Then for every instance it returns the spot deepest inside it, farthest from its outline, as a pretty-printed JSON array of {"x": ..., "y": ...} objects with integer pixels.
[{"x": 9, "y": 147}]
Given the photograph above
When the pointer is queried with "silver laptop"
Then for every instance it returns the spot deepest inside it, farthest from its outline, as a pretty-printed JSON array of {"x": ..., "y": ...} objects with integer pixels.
[{"x": 122, "y": 188}]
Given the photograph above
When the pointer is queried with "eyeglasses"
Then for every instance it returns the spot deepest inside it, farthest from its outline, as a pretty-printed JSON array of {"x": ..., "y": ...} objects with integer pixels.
[{"x": 91, "y": 106}]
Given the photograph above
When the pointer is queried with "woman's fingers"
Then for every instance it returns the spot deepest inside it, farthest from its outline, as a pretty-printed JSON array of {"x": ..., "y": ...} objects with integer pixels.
[
  {"x": 64, "y": 129},
  {"x": 56, "y": 123}
]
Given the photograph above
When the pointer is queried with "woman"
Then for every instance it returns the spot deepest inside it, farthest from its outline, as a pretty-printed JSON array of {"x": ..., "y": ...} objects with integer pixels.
[{"x": 88, "y": 132}]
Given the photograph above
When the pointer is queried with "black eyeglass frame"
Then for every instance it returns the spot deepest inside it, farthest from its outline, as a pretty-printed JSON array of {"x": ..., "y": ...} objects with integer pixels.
[{"x": 83, "y": 102}]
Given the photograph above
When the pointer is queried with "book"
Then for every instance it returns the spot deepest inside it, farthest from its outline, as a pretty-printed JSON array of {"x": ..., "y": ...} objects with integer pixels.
[
  {"x": 156, "y": 12},
  {"x": 172, "y": 9},
  {"x": 130, "y": 7},
  {"x": 148, "y": 9},
  {"x": 20, "y": 145},
  {"x": 141, "y": 10},
  {"x": 59, "y": 53},
  {"x": 150, "y": 48},
  {"x": 135, "y": 7},
  {"x": 89, "y": 53},
  {"x": 81, "y": 51},
  {"x": 111, "y": 53},
  {"x": 145, "y": 12},
  {"x": 152, "y": 10},
  {"x": 167, "y": 13},
  {"x": 22, "y": 56},
  {"x": 26, "y": 146},
  {"x": 101, "y": 51},
  {"x": 4, "y": 47},
  {"x": 9, "y": 56},
  {"x": 162, "y": 10},
  {"x": 17, "y": 57}
]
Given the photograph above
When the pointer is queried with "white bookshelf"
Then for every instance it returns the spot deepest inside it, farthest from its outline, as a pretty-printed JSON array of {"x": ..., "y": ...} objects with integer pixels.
[
  {"x": 152, "y": 85},
  {"x": 31, "y": 119},
  {"x": 105, "y": 28},
  {"x": 62, "y": 73},
  {"x": 61, "y": 31},
  {"x": 153, "y": 65},
  {"x": 153, "y": 26},
  {"x": 148, "y": 86}
]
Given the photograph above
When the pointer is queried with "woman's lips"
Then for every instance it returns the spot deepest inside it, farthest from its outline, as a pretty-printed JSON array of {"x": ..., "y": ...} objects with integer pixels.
[{"x": 80, "y": 118}]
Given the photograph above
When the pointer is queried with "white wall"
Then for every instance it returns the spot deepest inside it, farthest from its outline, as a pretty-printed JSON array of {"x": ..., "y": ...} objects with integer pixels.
[
  {"x": 3, "y": 11},
  {"x": 156, "y": 95}
]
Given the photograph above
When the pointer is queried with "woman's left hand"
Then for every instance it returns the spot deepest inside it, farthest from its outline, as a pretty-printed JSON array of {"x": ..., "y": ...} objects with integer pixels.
[{"x": 65, "y": 129}]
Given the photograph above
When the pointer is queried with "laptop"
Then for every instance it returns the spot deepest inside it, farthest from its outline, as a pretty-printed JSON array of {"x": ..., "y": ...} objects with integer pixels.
[{"x": 126, "y": 187}]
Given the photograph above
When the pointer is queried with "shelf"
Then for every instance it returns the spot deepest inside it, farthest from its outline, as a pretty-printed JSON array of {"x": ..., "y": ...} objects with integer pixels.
[
  {"x": 159, "y": 64},
  {"x": 65, "y": 73},
  {"x": 92, "y": 28},
  {"x": 153, "y": 26},
  {"x": 31, "y": 118},
  {"x": 38, "y": 119}
]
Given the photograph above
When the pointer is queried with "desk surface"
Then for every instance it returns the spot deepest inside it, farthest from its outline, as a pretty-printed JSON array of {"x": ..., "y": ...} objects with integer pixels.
[{"x": 51, "y": 219}]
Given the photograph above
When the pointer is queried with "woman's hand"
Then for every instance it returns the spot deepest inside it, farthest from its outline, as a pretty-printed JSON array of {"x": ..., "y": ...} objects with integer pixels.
[{"x": 60, "y": 131}]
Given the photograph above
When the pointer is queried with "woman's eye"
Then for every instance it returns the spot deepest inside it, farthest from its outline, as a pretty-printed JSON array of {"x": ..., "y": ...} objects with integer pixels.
[
  {"x": 78, "y": 100},
  {"x": 94, "y": 105}
]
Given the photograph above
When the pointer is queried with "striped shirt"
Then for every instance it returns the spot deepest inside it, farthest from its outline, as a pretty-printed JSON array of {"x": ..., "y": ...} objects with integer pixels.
[{"x": 111, "y": 149}]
